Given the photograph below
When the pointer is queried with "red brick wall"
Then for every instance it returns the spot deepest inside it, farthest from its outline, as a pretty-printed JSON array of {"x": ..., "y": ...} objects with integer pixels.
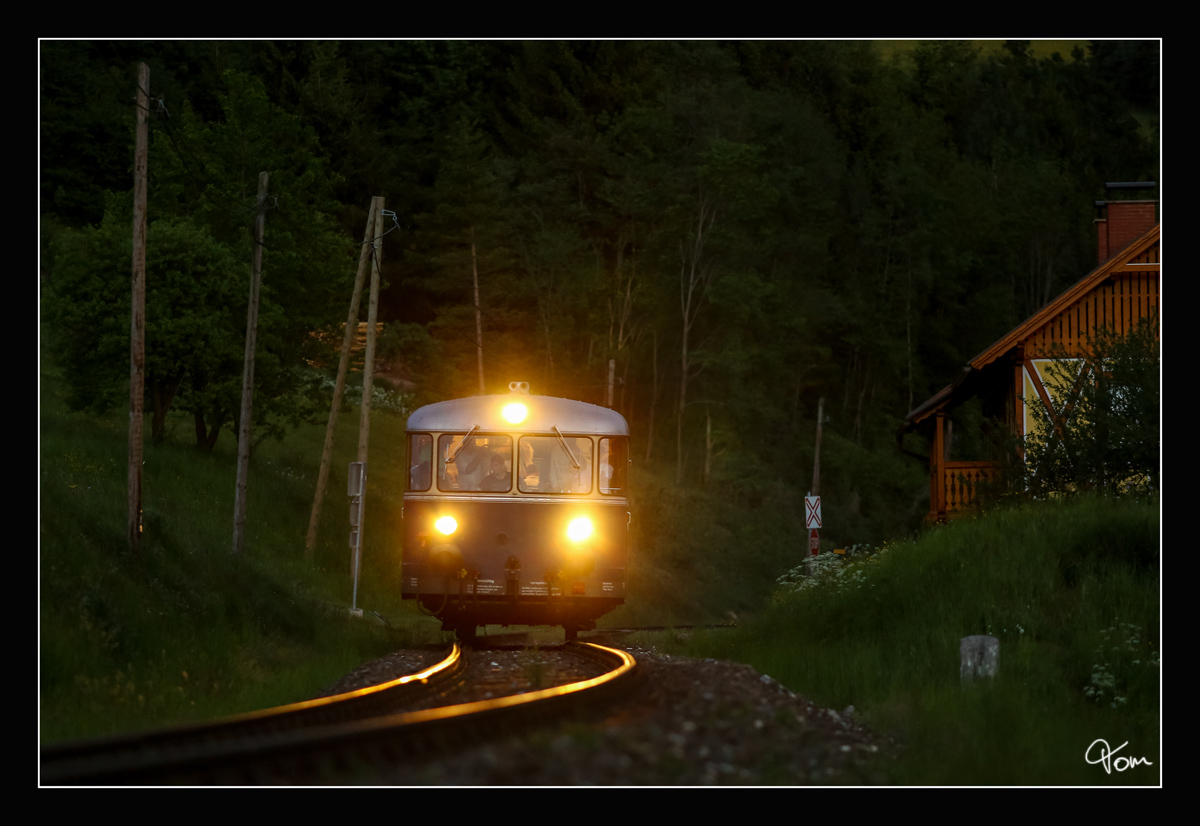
[{"x": 1127, "y": 220}]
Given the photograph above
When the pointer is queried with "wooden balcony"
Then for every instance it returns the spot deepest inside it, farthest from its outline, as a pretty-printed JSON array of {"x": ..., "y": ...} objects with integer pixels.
[{"x": 956, "y": 488}]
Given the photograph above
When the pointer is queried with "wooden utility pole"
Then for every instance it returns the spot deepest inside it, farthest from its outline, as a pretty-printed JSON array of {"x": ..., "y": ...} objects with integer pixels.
[
  {"x": 364, "y": 421},
  {"x": 339, "y": 387},
  {"x": 816, "y": 477},
  {"x": 137, "y": 318},
  {"x": 478, "y": 314},
  {"x": 813, "y": 539},
  {"x": 243, "y": 463}
]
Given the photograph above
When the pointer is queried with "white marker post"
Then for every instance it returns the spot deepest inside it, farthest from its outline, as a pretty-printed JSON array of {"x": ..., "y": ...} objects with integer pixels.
[{"x": 354, "y": 489}]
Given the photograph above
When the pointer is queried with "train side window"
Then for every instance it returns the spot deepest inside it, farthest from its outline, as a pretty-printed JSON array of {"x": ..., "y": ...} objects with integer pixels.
[
  {"x": 420, "y": 455},
  {"x": 483, "y": 464},
  {"x": 551, "y": 465},
  {"x": 614, "y": 460}
]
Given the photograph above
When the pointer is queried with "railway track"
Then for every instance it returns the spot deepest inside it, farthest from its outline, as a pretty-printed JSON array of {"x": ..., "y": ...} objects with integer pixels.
[{"x": 335, "y": 737}]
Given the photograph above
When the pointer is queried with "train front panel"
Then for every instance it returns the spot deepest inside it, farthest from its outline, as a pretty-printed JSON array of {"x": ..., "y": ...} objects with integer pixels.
[{"x": 516, "y": 560}]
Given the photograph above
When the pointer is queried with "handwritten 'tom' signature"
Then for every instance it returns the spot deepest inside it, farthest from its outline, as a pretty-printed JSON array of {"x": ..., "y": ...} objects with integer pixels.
[{"x": 1106, "y": 757}]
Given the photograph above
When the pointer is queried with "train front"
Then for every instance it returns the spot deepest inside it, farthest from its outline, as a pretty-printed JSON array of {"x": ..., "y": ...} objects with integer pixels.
[{"x": 516, "y": 512}]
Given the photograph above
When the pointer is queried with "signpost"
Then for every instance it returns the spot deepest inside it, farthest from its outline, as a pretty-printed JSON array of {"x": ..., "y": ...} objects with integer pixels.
[{"x": 812, "y": 521}]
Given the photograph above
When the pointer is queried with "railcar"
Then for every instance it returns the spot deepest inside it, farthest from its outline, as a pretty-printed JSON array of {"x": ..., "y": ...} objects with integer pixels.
[{"x": 516, "y": 511}]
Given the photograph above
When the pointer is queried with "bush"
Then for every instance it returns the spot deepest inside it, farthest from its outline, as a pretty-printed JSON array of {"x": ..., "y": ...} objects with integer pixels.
[{"x": 1104, "y": 436}]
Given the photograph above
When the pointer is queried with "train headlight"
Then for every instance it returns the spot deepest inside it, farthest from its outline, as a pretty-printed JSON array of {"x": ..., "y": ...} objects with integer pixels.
[
  {"x": 579, "y": 529},
  {"x": 514, "y": 413},
  {"x": 446, "y": 525}
]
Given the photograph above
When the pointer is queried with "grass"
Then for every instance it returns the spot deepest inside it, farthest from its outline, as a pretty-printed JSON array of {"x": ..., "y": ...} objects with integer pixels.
[
  {"x": 185, "y": 630},
  {"x": 1069, "y": 588}
]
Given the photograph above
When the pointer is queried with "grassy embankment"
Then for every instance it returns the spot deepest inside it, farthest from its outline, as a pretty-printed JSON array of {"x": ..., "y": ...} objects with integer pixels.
[
  {"x": 1071, "y": 589},
  {"x": 186, "y": 631}
]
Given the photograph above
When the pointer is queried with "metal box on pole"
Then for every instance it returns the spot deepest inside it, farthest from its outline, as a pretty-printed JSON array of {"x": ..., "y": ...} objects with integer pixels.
[{"x": 354, "y": 489}]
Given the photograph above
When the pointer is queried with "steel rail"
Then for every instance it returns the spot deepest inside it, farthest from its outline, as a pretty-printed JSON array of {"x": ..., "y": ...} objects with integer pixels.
[
  {"x": 75, "y": 761},
  {"x": 315, "y": 751}
]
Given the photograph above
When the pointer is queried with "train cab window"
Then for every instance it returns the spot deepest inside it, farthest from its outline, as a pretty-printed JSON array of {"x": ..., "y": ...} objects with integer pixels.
[
  {"x": 471, "y": 462},
  {"x": 555, "y": 464},
  {"x": 614, "y": 460},
  {"x": 420, "y": 455}
]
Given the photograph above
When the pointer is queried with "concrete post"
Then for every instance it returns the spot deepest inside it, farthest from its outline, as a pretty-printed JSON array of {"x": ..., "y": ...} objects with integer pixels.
[{"x": 980, "y": 657}]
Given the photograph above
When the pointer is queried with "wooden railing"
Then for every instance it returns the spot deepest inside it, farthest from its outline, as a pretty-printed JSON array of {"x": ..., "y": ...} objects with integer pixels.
[{"x": 961, "y": 481}]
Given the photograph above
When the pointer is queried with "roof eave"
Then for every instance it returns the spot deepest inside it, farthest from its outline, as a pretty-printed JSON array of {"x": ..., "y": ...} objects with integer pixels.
[{"x": 1007, "y": 342}]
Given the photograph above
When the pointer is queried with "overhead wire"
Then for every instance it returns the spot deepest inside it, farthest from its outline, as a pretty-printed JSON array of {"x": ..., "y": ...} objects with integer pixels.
[{"x": 395, "y": 226}]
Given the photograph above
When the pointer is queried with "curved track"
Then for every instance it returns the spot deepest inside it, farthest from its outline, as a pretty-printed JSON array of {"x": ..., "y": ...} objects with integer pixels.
[{"x": 321, "y": 740}]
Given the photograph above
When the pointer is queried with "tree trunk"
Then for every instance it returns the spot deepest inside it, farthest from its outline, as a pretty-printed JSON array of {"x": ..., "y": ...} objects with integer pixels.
[
  {"x": 206, "y": 437},
  {"x": 625, "y": 411},
  {"x": 163, "y": 394},
  {"x": 908, "y": 337},
  {"x": 612, "y": 367},
  {"x": 653, "y": 397},
  {"x": 201, "y": 432},
  {"x": 694, "y": 280},
  {"x": 707, "y": 447},
  {"x": 683, "y": 382},
  {"x": 211, "y": 441},
  {"x": 478, "y": 314}
]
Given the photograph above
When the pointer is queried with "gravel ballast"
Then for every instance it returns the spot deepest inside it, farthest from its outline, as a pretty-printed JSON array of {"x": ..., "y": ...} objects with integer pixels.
[{"x": 693, "y": 722}]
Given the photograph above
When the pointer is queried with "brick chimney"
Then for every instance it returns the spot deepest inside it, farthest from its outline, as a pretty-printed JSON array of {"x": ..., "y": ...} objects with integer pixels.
[{"x": 1126, "y": 220}]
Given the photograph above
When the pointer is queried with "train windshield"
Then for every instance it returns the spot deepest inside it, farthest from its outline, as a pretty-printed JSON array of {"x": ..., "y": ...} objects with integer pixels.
[
  {"x": 555, "y": 464},
  {"x": 475, "y": 462}
]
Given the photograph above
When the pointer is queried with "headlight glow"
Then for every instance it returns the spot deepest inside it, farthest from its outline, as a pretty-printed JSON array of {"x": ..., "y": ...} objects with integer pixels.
[
  {"x": 514, "y": 413},
  {"x": 579, "y": 529},
  {"x": 446, "y": 525}
]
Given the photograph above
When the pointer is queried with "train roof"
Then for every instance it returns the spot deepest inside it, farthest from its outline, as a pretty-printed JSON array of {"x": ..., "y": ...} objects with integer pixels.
[{"x": 545, "y": 412}]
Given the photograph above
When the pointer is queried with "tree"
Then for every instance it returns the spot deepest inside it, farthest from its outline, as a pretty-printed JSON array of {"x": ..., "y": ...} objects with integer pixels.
[
  {"x": 203, "y": 192},
  {"x": 1103, "y": 435},
  {"x": 192, "y": 330},
  {"x": 467, "y": 228}
]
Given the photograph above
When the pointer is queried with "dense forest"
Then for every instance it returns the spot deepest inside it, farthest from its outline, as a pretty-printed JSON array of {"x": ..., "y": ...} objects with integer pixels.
[{"x": 742, "y": 228}]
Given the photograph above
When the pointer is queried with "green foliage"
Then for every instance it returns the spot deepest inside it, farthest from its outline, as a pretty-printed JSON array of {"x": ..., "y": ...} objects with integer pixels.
[
  {"x": 203, "y": 185},
  {"x": 87, "y": 309},
  {"x": 1104, "y": 433},
  {"x": 85, "y": 129},
  {"x": 1078, "y": 625},
  {"x": 184, "y": 631},
  {"x": 877, "y": 222}
]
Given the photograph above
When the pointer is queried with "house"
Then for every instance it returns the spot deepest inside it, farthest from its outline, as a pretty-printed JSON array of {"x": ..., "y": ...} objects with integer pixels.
[{"x": 1009, "y": 377}]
